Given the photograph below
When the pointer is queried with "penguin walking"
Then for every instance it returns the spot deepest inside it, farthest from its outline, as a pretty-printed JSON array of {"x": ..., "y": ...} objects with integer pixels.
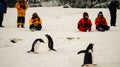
[
  {"x": 34, "y": 46},
  {"x": 88, "y": 54},
  {"x": 50, "y": 42}
]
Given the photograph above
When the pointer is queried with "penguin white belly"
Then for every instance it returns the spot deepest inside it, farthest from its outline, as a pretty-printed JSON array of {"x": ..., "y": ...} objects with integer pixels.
[{"x": 37, "y": 45}]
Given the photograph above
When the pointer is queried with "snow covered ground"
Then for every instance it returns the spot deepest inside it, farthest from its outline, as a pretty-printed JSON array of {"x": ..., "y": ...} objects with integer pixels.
[{"x": 61, "y": 24}]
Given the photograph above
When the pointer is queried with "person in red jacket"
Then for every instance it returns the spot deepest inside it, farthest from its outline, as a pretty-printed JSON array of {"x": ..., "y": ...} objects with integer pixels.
[
  {"x": 84, "y": 24},
  {"x": 101, "y": 23}
]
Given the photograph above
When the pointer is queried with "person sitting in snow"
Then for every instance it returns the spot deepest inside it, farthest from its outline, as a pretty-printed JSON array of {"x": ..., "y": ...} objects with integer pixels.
[
  {"x": 35, "y": 22},
  {"x": 101, "y": 23},
  {"x": 84, "y": 24},
  {"x": 21, "y": 7}
]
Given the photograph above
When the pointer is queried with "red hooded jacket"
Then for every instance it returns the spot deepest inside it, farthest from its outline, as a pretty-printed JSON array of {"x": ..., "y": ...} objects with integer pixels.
[
  {"x": 84, "y": 25},
  {"x": 99, "y": 21}
]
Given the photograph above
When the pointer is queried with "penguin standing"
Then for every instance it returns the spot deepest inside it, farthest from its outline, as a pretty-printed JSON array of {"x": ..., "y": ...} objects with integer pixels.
[
  {"x": 34, "y": 45},
  {"x": 88, "y": 54},
  {"x": 50, "y": 42}
]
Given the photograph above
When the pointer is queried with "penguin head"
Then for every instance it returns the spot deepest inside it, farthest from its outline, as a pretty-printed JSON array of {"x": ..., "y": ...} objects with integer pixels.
[
  {"x": 47, "y": 35},
  {"x": 41, "y": 40},
  {"x": 90, "y": 47}
]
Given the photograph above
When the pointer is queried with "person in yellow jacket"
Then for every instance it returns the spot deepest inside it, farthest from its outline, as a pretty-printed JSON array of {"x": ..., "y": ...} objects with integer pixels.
[
  {"x": 35, "y": 22},
  {"x": 21, "y": 7}
]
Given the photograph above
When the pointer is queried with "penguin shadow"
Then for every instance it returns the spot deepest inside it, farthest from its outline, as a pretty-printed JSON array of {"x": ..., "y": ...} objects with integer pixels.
[{"x": 35, "y": 46}]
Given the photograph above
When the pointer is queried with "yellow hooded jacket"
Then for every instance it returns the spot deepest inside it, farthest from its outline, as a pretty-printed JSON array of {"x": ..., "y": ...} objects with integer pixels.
[
  {"x": 35, "y": 21},
  {"x": 21, "y": 11}
]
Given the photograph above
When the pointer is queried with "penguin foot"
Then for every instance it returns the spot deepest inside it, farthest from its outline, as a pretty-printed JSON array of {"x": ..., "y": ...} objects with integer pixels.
[
  {"x": 89, "y": 65},
  {"x": 29, "y": 51},
  {"x": 33, "y": 52},
  {"x": 52, "y": 50}
]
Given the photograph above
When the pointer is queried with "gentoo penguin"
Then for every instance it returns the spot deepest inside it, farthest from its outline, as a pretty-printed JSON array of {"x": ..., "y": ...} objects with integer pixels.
[
  {"x": 50, "y": 42},
  {"x": 88, "y": 54},
  {"x": 34, "y": 46}
]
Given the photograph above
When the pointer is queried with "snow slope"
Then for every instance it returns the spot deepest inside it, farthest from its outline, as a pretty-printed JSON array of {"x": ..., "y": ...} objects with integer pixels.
[{"x": 61, "y": 24}]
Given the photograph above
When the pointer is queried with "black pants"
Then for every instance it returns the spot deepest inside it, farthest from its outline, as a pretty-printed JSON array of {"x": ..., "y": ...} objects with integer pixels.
[
  {"x": 1, "y": 18},
  {"x": 38, "y": 27},
  {"x": 102, "y": 27},
  {"x": 113, "y": 18},
  {"x": 21, "y": 19}
]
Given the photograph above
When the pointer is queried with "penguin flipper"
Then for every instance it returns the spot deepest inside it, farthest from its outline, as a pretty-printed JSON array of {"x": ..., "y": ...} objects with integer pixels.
[{"x": 82, "y": 51}]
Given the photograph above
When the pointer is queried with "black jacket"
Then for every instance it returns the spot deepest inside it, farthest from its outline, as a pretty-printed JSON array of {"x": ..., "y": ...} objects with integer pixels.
[{"x": 113, "y": 5}]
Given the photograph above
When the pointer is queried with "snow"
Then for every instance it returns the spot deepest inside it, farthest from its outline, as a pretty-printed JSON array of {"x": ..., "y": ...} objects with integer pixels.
[{"x": 61, "y": 24}]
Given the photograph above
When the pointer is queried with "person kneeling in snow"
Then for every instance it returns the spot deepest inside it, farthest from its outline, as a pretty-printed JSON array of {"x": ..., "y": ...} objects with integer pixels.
[
  {"x": 101, "y": 23},
  {"x": 35, "y": 22},
  {"x": 84, "y": 24}
]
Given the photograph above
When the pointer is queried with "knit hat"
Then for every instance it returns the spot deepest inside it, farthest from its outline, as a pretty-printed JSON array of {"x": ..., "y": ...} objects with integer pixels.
[
  {"x": 34, "y": 14},
  {"x": 100, "y": 13},
  {"x": 85, "y": 15}
]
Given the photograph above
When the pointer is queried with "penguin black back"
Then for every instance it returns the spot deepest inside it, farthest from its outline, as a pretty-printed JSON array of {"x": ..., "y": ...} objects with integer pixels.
[
  {"x": 88, "y": 54},
  {"x": 34, "y": 43},
  {"x": 50, "y": 42}
]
